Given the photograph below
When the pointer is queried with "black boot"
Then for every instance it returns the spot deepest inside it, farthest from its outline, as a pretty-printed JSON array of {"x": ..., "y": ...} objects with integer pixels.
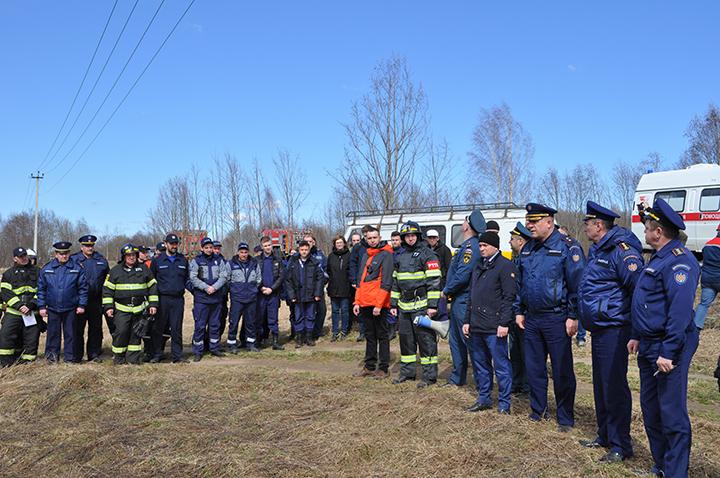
[
  {"x": 309, "y": 339},
  {"x": 298, "y": 341},
  {"x": 276, "y": 343}
]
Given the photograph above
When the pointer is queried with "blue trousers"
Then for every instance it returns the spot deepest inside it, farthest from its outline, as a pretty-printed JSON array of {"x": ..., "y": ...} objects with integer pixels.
[
  {"x": 707, "y": 296},
  {"x": 458, "y": 344},
  {"x": 172, "y": 309},
  {"x": 516, "y": 342},
  {"x": 581, "y": 332},
  {"x": 267, "y": 313},
  {"x": 61, "y": 325},
  {"x": 340, "y": 314},
  {"x": 663, "y": 400},
  {"x": 487, "y": 350},
  {"x": 246, "y": 310},
  {"x": 206, "y": 315},
  {"x": 546, "y": 335},
  {"x": 304, "y": 317},
  {"x": 613, "y": 401},
  {"x": 320, "y": 313}
]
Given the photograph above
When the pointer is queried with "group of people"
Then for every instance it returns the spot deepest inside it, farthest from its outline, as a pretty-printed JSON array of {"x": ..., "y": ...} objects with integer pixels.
[{"x": 507, "y": 315}]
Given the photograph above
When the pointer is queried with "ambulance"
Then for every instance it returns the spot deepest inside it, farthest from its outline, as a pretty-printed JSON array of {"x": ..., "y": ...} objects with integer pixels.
[
  {"x": 694, "y": 192},
  {"x": 446, "y": 220}
]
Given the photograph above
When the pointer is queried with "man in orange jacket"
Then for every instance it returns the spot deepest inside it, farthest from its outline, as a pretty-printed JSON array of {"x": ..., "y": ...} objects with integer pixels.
[{"x": 372, "y": 301}]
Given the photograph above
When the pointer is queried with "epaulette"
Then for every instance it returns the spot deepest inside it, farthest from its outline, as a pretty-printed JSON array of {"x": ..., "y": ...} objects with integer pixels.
[
  {"x": 624, "y": 246},
  {"x": 569, "y": 240},
  {"x": 678, "y": 251}
]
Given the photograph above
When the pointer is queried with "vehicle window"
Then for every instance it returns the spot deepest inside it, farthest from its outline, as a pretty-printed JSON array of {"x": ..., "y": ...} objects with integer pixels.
[
  {"x": 457, "y": 235},
  {"x": 676, "y": 199},
  {"x": 710, "y": 200},
  {"x": 438, "y": 228}
]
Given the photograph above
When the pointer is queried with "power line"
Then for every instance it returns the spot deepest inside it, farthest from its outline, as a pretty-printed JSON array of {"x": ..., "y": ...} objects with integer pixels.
[
  {"x": 112, "y": 88},
  {"x": 27, "y": 194},
  {"x": 97, "y": 80},
  {"x": 82, "y": 82},
  {"x": 124, "y": 97}
]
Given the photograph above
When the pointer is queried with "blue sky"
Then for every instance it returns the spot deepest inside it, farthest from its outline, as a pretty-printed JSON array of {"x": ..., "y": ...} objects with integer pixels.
[{"x": 598, "y": 83}]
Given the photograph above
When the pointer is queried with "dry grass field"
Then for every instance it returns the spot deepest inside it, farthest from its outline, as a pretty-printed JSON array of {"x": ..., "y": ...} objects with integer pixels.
[{"x": 302, "y": 413}]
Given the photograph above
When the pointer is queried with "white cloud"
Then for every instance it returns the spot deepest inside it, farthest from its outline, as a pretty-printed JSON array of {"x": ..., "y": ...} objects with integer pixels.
[{"x": 572, "y": 68}]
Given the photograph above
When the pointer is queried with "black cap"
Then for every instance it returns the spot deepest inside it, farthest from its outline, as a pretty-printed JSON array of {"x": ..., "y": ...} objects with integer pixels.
[
  {"x": 62, "y": 246},
  {"x": 243, "y": 245},
  {"x": 172, "y": 239},
  {"x": 257, "y": 248},
  {"x": 217, "y": 244},
  {"x": 490, "y": 238},
  {"x": 492, "y": 226},
  {"x": 205, "y": 241},
  {"x": 88, "y": 240},
  {"x": 160, "y": 246},
  {"x": 19, "y": 252}
]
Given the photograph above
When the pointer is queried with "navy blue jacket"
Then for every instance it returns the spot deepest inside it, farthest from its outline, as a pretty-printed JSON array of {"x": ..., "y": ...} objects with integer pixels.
[
  {"x": 62, "y": 287},
  {"x": 273, "y": 271},
  {"x": 96, "y": 270},
  {"x": 245, "y": 279},
  {"x": 303, "y": 282},
  {"x": 354, "y": 267},
  {"x": 172, "y": 277},
  {"x": 492, "y": 293},
  {"x": 321, "y": 259},
  {"x": 459, "y": 273},
  {"x": 613, "y": 267},
  {"x": 662, "y": 305},
  {"x": 711, "y": 262},
  {"x": 549, "y": 272}
]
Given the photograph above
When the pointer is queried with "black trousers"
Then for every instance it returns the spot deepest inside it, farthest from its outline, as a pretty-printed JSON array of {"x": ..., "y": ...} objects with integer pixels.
[
  {"x": 414, "y": 338},
  {"x": 125, "y": 342},
  {"x": 17, "y": 341},
  {"x": 169, "y": 316},
  {"x": 93, "y": 318},
  {"x": 377, "y": 339}
]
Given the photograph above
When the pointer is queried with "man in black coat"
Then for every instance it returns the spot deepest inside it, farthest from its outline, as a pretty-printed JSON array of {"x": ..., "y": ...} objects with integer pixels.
[
  {"x": 487, "y": 320},
  {"x": 304, "y": 286}
]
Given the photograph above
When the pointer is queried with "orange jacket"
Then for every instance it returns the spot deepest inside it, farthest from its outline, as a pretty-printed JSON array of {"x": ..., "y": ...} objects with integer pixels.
[{"x": 376, "y": 277}]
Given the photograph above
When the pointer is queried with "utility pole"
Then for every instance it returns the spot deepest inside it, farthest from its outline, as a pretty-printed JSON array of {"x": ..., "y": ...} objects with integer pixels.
[{"x": 37, "y": 177}]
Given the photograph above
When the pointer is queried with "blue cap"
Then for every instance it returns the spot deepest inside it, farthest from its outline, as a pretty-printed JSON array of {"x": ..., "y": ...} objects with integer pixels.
[
  {"x": 665, "y": 215},
  {"x": 257, "y": 248},
  {"x": 205, "y": 241},
  {"x": 522, "y": 231},
  {"x": 62, "y": 246},
  {"x": 19, "y": 252},
  {"x": 595, "y": 211},
  {"x": 477, "y": 221},
  {"x": 536, "y": 211},
  {"x": 88, "y": 240},
  {"x": 160, "y": 246},
  {"x": 217, "y": 244},
  {"x": 172, "y": 239},
  {"x": 243, "y": 245}
]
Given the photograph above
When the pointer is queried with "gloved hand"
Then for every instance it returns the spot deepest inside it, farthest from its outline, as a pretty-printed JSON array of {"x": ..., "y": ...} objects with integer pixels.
[{"x": 42, "y": 325}]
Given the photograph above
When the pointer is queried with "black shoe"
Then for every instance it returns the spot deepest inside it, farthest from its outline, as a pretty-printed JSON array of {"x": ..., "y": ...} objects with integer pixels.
[
  {"x": 155, "y": 360},
  {"x": 197, "y": 357},
  {"x": 233, "y": 349},
  {"x": 217, "y": 353},
  {"x": 478, "y": 407},
  {"x": 402, "y": 379},
  {"x": 594, "y": 443},
  {"x": 298, "y": 341},
  {"x": 424, "y": 384},
  {"x": 119, "y": 361},
  {"x": 334, "y": 338},
  {"x": 181, "y": 360},
  {"x": 613, "y": 457},
  {"x": 276, "y": 343},
  {"x": 564, "y": 428},
  {"x": 309, "y": 340},
  {"x": 95, "y": 359},
  {"x": 147, "y": 358},
  {"x": 252, "y": 348},
  {"x": 360, "y": 338}
]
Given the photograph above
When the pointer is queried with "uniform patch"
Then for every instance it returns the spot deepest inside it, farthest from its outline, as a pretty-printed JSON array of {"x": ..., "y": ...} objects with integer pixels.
[
  {"x": 680, "y": 278},
  {"x": 433, "y": 265},
  {"x": 576, "y": 257},
  {"x": 632, "y": 267},
  {"x": 678, "y": 251},
  {"x": 624, "y": 246},
  {"x": 467, "y": 256}
]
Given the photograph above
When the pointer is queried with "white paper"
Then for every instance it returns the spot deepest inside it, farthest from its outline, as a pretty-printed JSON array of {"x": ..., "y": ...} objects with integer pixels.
[{"x": 29, "y": 319}]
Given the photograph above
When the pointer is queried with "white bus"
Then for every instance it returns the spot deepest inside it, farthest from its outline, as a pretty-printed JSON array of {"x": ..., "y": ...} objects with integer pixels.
[
  {"x": 447, "y": 220},
  {"x": 693, "y": 192}
]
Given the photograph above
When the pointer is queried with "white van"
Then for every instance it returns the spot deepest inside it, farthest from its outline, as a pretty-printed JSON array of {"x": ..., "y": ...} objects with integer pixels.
[
  {"x": 694, "y": 192},
  {"x": 446, "y": 220}
]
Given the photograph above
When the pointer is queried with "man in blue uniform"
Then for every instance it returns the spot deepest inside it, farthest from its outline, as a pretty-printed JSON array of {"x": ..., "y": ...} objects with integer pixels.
[
  {"x": 457, "y": 289},
  {"x": 208, "y": 275},
  {"x": 172, "y": 272},
  {"x": 62, "y": 296},
  {"x": 96, "y": 269},
  {"x": 272, "y": 273},
  {"x": 665, "y": 338},
  {"x": 604, "y": 296},
  {"x": 550, "y": 268},
  {"x": 321, "y": 308}
]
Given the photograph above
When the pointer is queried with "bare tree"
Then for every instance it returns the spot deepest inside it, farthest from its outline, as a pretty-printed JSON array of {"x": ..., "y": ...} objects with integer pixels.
[
  {"x": 234, "y": 191},
  {"x": 502, "y": 153},
  {"x": 387, "y": 137},
  {"x": 551, "y": 192},
  {"x": 438, "y": 181},
  {"x": 704, "y": 137},
  {"x": 256, "y": 195},
  {"x": 292, "y": 184}
]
